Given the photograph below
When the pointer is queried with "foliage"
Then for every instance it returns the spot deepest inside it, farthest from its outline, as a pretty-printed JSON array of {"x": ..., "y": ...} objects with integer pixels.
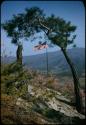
[
  {"x": 11, "y": 68},
  {"x": 10, "y": 74},
  {"x": 31, "y": 20},
  {"x": 23, "y": 25},
  {"x": 60, "y": 31},
  {"x": 13, "y": 28}
]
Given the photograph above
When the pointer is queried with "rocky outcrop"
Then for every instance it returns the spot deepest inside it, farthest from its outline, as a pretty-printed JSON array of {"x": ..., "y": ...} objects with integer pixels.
[{"x": 47, "y": 106}]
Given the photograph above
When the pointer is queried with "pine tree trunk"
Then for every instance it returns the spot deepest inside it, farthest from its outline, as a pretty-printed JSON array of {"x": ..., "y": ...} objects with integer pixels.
[
  {"x": 78, "y": 98},
  {"x": 19, "y": 54}
]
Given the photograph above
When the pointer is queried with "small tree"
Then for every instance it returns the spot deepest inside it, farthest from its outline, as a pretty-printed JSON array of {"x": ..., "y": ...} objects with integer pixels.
[
  {"x": 15, "y": 32},
  {"x": 60, "y": 33},
  {"x": 23, "y": 26}
]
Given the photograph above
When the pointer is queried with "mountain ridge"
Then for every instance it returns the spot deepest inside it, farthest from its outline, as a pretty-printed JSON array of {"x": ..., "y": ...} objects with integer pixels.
[{"x": 56, "y": 61}]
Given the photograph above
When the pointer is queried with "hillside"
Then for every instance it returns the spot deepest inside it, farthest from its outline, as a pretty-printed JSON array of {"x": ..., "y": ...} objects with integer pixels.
[{"x": 29, "y": 97}]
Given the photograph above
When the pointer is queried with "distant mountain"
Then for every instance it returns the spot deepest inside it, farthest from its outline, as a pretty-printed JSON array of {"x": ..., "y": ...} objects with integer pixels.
[{"x": 56, "y": 61}]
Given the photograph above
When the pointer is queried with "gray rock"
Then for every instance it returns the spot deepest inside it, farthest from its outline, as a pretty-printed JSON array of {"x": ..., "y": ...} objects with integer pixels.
[
  {"x": 54, "y": 100},
  {"x": 49, "y": 106}
]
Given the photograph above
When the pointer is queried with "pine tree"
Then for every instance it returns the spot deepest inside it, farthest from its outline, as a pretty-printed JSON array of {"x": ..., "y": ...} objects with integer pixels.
[
  {"x": 14, "y": 30},
  {"x": 22, "y": 26},
  {"x": 61, "y": 34}
]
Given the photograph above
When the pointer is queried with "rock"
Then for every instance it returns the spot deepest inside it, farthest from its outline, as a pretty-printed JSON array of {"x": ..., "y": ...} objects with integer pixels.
[
  {"x": 33, "y": 116},
  {"x": 49, "y": 107},
  {"x": 54, "y": 100},
  {"x": 30, "y": 90}
]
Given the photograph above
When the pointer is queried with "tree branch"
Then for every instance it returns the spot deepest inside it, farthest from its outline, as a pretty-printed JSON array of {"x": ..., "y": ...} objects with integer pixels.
[{"x": 49, "y": 30}]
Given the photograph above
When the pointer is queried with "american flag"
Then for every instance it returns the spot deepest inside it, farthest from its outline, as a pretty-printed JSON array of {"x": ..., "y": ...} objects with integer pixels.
[{"x": 40, "y": 46}]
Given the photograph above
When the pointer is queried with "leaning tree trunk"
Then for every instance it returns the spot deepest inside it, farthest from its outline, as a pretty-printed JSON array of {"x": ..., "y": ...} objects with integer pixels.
[
  {"x": 78, "y": 98},
  {"x": 19, "y": 54}
]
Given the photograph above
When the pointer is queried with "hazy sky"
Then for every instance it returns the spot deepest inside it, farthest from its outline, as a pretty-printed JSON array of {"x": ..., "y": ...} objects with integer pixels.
[{"x": 73, "y": 11}]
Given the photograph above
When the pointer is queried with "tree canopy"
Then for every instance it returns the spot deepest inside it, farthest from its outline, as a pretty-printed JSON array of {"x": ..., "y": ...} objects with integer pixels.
[
  {"x": 23, "y": 25},
  {"x": 61, "y": 31}
]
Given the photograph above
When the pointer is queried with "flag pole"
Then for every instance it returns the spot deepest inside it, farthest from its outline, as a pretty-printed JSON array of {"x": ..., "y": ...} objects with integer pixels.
[{"x": 47, "y": 60}]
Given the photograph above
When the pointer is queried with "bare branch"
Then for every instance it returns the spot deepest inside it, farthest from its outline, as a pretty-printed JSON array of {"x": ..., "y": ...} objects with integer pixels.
[{"x": 49, "y": 30}]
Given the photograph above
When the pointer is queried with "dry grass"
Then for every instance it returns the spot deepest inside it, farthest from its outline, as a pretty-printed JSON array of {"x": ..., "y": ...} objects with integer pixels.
[{"x": 8, "y": 109}]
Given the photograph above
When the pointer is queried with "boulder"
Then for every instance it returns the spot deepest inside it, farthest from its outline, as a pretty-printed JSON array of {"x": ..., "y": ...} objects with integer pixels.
[{"x": 50, "y": 106}]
